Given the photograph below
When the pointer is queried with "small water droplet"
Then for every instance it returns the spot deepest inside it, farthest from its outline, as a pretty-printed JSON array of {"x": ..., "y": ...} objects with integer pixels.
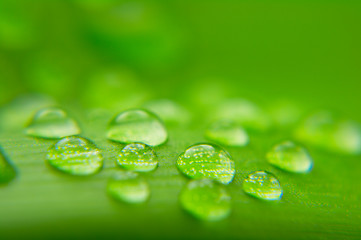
[
  {"x": 128, "y": 187},
  {"x": 206, "y": 200},
  {"x": 263, "y": 185},
  {"x": 243, "y": 112},
  {"x": 170, "y": 112},
  {"x": 325, "y": 131},
  {"x": 75, "y": 156},
  {"x": 290, "y": 157},
  {"x": 7, "y": 171},
  {"x": 207, "y": 161},
  {"x": 52, "y": 123},
  {"x": 137, "y": 157},
  {"x": 137, "y": 125},
  {"x": 227, "y": 133}
]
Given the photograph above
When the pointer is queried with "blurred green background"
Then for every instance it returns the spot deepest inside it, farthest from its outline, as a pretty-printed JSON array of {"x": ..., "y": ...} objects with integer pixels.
[
  {"x": 110, "y": 55},
  {"x": 305, "y": 50}
]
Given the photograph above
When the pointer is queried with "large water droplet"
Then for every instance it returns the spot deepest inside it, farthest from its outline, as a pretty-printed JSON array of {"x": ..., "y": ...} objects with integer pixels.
[
  {"x": 52, "y": 123},
  {"x": 206, "y": 200},
  {"x": 263, "y": 185},
  {"x": 329, "y": 133},
  {"x": 7, "y": 171},
  {"x": 170, "y": 112},
  {"x": 137, "y": 157},
  {"x": 137, "y": 125},
  {"x": 227, "y": 133},
  {"x": 76, "y": 156},
  {"x": 128, "y": 187},
  {"x": 244, "y": 112},
  {"x": 290, "y": 157},
  {"x": 207, "y": 161}
]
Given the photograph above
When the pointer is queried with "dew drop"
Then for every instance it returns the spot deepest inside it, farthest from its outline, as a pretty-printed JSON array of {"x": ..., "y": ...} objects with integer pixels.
[
  {"x": 128, "y": 187},
  {"x": 137, "y": 157},
  {"x": 243, "y": 112},
  {"x": 290, "y": 157},
  {"x": 52, "y": 123},
  {"x": 263, "y": 185},
  {"x": 7, "y": 171},
  {"x": 137, "y": 125},
  {"x": 325, "y": 131},
  {"x": 227, "y": 133},
  {"x": 206, "y": 200},
  {"x": 75, "y": 156},
  {"x": 207, "y": 161},
  {"x": 169, "y": 111}
]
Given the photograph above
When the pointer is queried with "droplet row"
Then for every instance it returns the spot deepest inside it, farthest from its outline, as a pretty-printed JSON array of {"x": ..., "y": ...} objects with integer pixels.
[{"x": 210, "y": 167}]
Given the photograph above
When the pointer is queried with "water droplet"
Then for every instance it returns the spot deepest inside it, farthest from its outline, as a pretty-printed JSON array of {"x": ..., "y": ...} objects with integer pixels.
[
  {"x": 227, "y": 133},
  {"x": 243, "y": 112},
  {"x": 76, "y": 156},
  {"x": 207, "y": 161},
  {"x": 7, "y": 171},
  {"x": 290, "y": 157},
  {"x": 137, "y": 157},
  {"x": 128, "y": 187},
  {"x": 263, "y": 185},
  {"x": 325, "y": 131},
  {"x": 52, "y": 123},
  {"x": 206, "y": 200},
  {"x": 137, "y": 125},
  {"x": 170, "y": 112}
]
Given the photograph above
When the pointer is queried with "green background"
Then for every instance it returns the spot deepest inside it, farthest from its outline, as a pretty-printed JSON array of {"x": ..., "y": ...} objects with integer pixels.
[{"x": 196, "y": 53}]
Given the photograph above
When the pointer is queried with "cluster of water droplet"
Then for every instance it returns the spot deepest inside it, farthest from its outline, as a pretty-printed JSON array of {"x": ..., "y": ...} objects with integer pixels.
[
  {"x": 79, "y": 156},
  {"x": 209, "y": 166}
]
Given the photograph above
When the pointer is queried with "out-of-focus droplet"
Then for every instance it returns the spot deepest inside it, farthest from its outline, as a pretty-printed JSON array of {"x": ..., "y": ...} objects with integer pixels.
[
  {"x": 169, "y": 111},
  {"x": 206, "y": 200},
  {"x": 207, "y": 161},
  {"x": 263, "y": 185},
  {"x": 243, "y": 112},
  {"x": 137, "y": 125},
  {"x": 52, "y": 123},
  {"x": 75, "y": 156},
  {"x": 290, "y": 157},
  {"x": 15, "y": 115},
  {"x": 325, "y": 131},
  {"x": 227, "y": 133},
  {"x": 128, "y": 187}
]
